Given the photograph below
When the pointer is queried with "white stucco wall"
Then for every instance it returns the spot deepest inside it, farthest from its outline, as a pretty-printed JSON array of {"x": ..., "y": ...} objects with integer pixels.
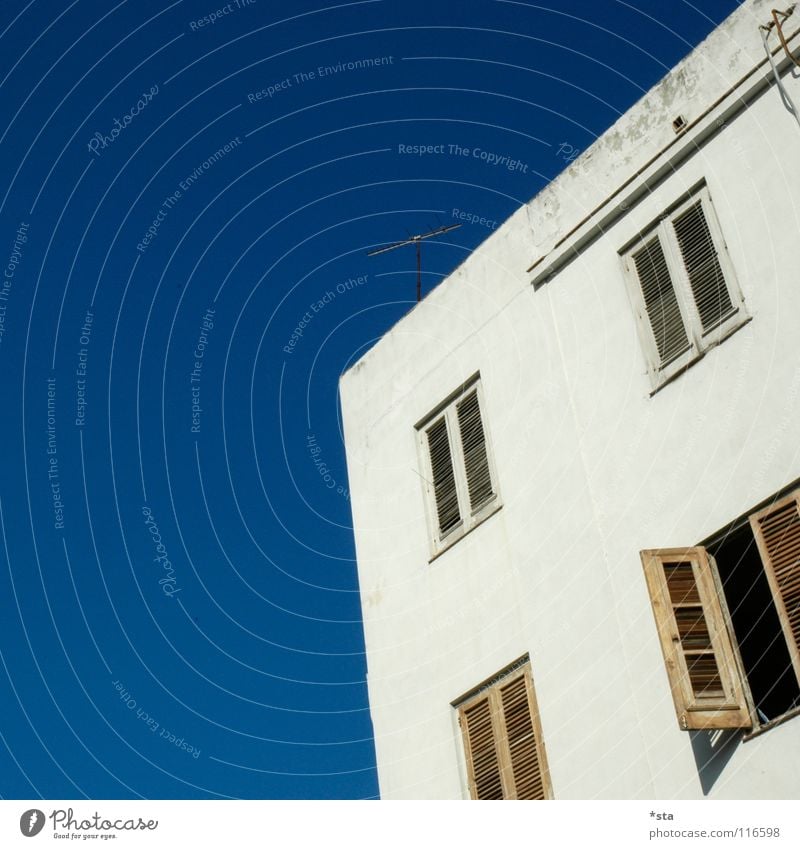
[{"x": 591, "y": 468}]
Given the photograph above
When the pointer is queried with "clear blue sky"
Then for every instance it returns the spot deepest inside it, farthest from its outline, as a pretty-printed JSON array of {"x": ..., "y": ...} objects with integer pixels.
[{"x": 178, "y": 595}]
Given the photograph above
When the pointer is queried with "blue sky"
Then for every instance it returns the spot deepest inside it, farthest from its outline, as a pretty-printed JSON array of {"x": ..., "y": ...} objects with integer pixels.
[{"x": 188, "y": 196}]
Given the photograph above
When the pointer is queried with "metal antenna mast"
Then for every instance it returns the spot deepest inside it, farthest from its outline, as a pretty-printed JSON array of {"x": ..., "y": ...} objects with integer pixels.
[{"x": 415, "y": 240}]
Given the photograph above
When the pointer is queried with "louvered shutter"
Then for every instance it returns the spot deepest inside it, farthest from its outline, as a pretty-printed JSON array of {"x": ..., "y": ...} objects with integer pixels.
[
  {"x": 525, "y": 774},
  {"x": 483, "y": 759},
  {"x": 444, "y": 482},
  {"x": 660, "y": 301},
  {"x": 473, "y": 444},
  {"x": 777, "y": 533},
  {"x": 702, "y": 661},
  {"x": 503, "y": 741},
  {"x": 703, "y": 268}
]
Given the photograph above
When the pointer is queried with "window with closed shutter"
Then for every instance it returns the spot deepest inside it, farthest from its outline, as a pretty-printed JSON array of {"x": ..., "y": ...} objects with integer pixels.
[
  {"x": 457, "y": 468},
  {"x": 683, "y": 286},
  {"x": 503, "y": 740},
  {"x": 700, "y": 651}
]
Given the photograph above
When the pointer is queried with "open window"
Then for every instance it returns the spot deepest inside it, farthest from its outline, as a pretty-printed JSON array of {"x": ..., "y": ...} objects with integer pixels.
[
  {"x": 756, "y": 623},
  {"x": 728, "y": 618},
  {"x": 777, "y": 533}
]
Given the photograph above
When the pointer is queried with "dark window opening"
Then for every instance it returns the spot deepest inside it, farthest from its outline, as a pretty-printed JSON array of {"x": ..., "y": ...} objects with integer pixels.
[{"x": 762, "y": 644}]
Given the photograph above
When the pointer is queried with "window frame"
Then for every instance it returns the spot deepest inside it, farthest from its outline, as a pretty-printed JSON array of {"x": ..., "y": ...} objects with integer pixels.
[
  {"x": 469, "y": 519},
  {"x": 490, "y": 691},
  {"x": 700, "y": 340}
]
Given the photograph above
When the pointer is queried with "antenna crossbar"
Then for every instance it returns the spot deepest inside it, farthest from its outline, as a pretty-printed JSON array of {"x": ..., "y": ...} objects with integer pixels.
[{"x": 415, "y": 240}]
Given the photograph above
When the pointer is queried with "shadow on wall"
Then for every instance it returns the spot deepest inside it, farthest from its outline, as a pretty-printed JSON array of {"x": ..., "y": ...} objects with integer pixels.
[{"x": 712, "y": 750}]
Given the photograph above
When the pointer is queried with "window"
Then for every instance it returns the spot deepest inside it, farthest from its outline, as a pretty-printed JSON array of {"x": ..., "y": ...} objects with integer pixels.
[
  {"x": 728, "y": 619},
  {"x": 683, "y": 287},
  {"x": 458, "y": 472},
  {"x": 503, "y": 739}
]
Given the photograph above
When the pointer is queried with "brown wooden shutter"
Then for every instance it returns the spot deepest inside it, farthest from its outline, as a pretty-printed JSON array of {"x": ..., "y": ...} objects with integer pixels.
[
  {"x": 701, "y": 260},
  {"x": 700, "y": 652},
  {"x": 660, "y": 301},
  {"x": 444, "y": 482},
  {"x": 777, "y": 533},
  {"x": 503, "y": 741},
  {"x": 483, "y": 760},
  {"x": 473, "y": 444},
  {"x": 526, "y": 769}
]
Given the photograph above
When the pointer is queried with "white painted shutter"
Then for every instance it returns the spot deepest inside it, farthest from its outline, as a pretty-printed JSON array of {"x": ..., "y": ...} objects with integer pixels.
[
  {"x": 444, "y": 482},
  {"x": 473, "y": 444},
  {"x": 701, "y": 260},
  {"x": 660, "y": 301}
]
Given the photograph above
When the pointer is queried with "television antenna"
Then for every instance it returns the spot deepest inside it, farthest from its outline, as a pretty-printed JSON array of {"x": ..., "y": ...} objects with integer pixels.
[{"x": 416, "y": 240}]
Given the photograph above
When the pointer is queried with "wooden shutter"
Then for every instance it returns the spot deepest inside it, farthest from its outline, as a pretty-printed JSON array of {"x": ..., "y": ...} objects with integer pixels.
[
  {"x": 660, "y": 301},
  {"x": 526, "y": 768},
  {"x": 473, "y": 444},
  {"x": 701, "y": 260},
  {"x": 703, "y": 665},
  {"x": 480, "y": 743},
  {"x": 777, "y": 533},
  {"x": 444, "y": 482},
  {"x": 503, "y": 741}
]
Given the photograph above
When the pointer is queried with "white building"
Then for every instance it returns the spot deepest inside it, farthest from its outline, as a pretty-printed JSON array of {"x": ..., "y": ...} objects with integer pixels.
[{"x": 547, "y": 455}]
